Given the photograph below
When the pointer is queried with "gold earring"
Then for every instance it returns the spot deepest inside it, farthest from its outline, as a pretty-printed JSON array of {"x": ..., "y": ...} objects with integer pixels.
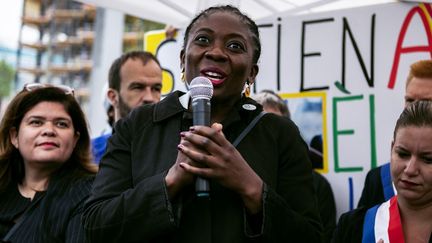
[
  {"x": 247, "y": 90},
  {"x": 182, "y": 75}
]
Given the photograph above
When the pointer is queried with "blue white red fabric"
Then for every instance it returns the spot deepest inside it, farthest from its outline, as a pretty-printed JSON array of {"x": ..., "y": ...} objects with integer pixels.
[{"x": 383, "y": 222}]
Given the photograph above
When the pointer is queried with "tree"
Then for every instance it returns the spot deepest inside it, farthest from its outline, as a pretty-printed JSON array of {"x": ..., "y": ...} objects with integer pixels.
[{"x": 7, "y": 74}]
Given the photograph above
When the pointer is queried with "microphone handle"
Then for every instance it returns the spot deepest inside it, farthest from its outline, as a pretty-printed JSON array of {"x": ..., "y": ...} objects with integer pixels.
[
  {"x": 202, "y": 187},
  {"x": 201, "y": 116}
]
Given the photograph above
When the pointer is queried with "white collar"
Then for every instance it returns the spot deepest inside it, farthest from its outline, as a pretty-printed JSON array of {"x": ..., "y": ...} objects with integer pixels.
[{"x": 184, "y": 100}]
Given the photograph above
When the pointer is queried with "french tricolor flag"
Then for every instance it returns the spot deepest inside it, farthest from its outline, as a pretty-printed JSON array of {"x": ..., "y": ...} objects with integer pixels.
[{"x": 383, "y": 222}]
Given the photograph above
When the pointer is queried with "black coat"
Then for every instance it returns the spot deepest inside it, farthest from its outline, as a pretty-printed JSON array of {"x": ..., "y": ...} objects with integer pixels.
[
  {"x": 372, "y": 193},
  {"x": 129, "y": 202},
  {"x": 326, "y": 205},
  {"x": 350, "y": 227},
  {"x": 56, "y": 216}
]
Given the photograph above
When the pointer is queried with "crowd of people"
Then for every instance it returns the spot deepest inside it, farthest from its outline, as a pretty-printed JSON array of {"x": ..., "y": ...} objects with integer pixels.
[{"x": 137, "y": 184}]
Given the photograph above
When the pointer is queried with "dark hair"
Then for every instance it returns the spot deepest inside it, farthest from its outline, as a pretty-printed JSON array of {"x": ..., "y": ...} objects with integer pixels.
[
  {"x": 418, "y": 114},
  {"x": 110, "y": 115},
  {"x": 228, "y": 8},
  {"x": 268, "y": 98},
  {"x": 11, "y": 162},
  {"x": 114, "y": 72},
  {"x": 420, "y": 69}
]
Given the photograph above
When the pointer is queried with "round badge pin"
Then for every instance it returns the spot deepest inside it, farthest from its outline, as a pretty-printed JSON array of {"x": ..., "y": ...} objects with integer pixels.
[{"x": 249, "y": 107}]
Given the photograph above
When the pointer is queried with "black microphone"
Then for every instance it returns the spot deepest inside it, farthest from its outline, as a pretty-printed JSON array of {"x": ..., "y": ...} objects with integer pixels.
[{"x": 201, "y": 91}]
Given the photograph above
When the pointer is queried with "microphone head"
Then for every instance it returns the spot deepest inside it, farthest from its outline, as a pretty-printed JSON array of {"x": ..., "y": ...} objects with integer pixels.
[{"x": 201, "y": 88}]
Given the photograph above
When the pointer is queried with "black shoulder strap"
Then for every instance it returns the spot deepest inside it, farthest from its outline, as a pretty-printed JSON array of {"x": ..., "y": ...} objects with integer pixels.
[
  {"x": 26, "y": 213},
  {"x": 248, "y": 128}
]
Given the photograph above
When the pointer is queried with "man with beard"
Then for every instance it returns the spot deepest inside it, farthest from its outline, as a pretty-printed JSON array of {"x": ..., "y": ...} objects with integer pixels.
[{"x": 135, "y": 78}]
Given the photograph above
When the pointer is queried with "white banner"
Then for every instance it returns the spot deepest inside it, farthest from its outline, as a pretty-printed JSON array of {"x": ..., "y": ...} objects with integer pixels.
[{"x": 343, "y": 74}]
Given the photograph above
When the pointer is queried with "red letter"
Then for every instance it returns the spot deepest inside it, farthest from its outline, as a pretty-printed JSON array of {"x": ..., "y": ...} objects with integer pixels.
[{"x": 400, "y": 50}]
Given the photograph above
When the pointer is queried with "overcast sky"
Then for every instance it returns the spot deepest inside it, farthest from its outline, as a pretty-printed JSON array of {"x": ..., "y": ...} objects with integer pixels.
[{"x": 10, "y": 22}]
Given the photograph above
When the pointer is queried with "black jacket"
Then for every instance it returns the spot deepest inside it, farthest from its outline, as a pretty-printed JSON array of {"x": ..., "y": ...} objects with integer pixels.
[
  {"x": 129, "y": 202},
  {"x": 326, "y": 205},
  {"x": 372, "y": 193},
  {"x": 56, "y": 216},
  {"x": 350, "y": 227}
]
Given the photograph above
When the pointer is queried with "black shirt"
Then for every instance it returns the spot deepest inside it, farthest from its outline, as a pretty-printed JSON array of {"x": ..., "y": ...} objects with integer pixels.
[{"x": 55, "y": 218}]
